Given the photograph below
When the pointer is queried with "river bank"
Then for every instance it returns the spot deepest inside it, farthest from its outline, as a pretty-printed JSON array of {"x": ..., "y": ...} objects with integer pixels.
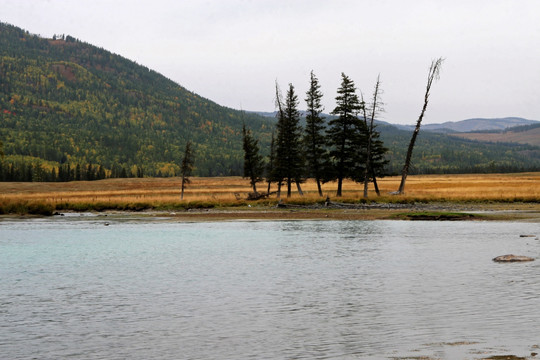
[
  {"x": 491, "y": 195},
  {"x": 438, "y": 211},
  {"x": 384, "y": 211}
]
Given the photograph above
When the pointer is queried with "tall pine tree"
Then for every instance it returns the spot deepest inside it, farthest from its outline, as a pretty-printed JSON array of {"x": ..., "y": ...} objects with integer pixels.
[
  {"x": 314, "y": 140},
  {"x": 345, "y": 133},
  {"x": 253, "y": 161},
  {"x": 289, "y": 158}
]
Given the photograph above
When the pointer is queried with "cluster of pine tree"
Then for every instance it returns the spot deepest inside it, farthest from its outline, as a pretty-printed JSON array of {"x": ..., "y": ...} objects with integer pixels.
[{"x": 347, "y": 147}]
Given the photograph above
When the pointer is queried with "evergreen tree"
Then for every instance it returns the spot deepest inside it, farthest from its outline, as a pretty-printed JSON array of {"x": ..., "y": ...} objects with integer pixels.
[
  {"x": 253, "y": 162},
  {"x": 101, "y": 173},
  {"x": 2, "y": 171},
  {"x": 345, "y": 133},
  {"x": 123, "y": 173},
  {"x": 11, "y": 173},
  {"x": 271, "y": 161},
  {"x": 90, "y": 173},
  {"x": 187, "y": 167},
  {"x": 314, "y": 140},
  {"x": 289, "y": 157},
  {"x": 29, "y": 174},
  {"x": 378, "y": 160},
  {"x": 140, "y": 172},
  {"x": 78, "y": 172}
]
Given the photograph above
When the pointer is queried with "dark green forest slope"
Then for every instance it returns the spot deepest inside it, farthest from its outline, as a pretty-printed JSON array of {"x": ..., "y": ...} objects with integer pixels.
[
  {"x": 80, "y": 112},
  {"x": 65, "y": 101},
  {"x": 438, "y": 153}
]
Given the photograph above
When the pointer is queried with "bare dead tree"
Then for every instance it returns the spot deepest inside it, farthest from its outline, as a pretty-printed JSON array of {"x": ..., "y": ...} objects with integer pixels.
[
  {"x": 375, "y": 107},
  {"x": 279, "y": 99},
  {"x": 433, "y": 75}
]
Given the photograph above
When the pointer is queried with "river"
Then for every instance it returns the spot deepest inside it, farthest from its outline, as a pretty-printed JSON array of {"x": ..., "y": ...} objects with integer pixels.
[{"x": 93, "y": 287}]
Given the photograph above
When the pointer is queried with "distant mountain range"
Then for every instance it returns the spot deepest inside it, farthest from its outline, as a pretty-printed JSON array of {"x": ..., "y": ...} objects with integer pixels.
[
  {"x": 480, "y": 129},
  {"x": 525, "y": 134},
  {"x": 66, "y": 102},
  {"x": 476, "y": 124},
  {"x": 468, "y": 125}
]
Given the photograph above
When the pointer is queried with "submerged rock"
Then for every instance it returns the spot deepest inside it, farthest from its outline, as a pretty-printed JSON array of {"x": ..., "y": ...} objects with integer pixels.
[{"x": 512, "y": 258}]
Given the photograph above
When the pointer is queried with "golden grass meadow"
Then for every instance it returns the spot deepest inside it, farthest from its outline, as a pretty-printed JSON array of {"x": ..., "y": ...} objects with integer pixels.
[{"x": 135, "y": 194}]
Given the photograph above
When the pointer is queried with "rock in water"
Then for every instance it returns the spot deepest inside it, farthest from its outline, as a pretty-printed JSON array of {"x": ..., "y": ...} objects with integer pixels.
[{"x": 512, "y": 258}]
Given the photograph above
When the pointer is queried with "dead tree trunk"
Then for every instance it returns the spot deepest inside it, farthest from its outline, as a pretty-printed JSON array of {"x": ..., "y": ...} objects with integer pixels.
[
  {"x": 434, "y": 70},
  {"x": 278, "y": 173},
  {"x": 289, "y": 187},
  {"x": 376, "y": 106},
  {"x": 375, "y": 185},
  {"x": 299, "y": 188},
  {"x": 319, "y": 188},
  {"x": 183, "y": 187}
]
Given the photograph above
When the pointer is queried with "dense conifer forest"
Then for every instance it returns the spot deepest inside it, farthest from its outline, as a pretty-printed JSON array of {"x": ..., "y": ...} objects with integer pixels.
[
  {"x": 66, "y": 102},
  {"x": 73, "y": 111}
]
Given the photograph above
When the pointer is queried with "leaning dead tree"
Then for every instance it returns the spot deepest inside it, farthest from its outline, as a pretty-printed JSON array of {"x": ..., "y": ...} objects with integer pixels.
[{"x": 433, "y": 75}]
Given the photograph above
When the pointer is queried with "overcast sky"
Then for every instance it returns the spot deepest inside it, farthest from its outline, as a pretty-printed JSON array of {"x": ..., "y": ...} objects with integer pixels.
[{"x": 232, "y": 51}]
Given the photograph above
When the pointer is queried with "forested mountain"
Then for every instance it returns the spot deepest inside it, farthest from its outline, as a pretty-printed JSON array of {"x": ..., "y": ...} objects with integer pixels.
[
  {"x": 65, "y": 101},
  {"x": 70, "y": 110}
]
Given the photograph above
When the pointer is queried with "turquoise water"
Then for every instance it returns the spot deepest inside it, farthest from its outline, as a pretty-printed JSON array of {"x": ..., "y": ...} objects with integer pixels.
[{"x": 159, "y": 289}]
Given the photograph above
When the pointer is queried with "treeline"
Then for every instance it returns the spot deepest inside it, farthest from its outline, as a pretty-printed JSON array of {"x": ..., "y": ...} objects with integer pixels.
[
  {"x": 347, "y": 147},
  {"x": 24, "y": 171}
]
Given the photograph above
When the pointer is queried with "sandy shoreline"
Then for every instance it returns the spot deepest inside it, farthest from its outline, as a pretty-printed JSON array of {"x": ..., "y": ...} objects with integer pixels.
[{"x": 529, "y": 212}]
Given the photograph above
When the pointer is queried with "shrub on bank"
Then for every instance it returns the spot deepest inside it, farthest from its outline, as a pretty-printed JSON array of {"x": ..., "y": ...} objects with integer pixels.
[{"x": 26, "y": 208}]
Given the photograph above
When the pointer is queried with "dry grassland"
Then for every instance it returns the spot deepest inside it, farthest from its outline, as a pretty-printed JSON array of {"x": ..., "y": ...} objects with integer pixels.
[{"x": 164, "y": 193}]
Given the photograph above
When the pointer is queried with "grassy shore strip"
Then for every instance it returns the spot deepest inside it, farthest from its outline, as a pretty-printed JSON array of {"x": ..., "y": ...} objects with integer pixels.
[
  {"x": 439, "y": 216},
  {"x": 449, "y": 193}
]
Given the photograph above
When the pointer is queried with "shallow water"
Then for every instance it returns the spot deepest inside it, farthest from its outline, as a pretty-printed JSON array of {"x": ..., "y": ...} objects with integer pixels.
[{"x": 156, "y": 289}]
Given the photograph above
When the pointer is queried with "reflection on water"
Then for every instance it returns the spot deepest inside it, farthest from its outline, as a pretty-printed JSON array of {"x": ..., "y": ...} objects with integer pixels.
[{"x": 266, "y": 290}]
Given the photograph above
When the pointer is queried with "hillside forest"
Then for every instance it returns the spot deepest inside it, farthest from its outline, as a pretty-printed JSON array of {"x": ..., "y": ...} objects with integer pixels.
[{"x": 73, "y": 111}]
